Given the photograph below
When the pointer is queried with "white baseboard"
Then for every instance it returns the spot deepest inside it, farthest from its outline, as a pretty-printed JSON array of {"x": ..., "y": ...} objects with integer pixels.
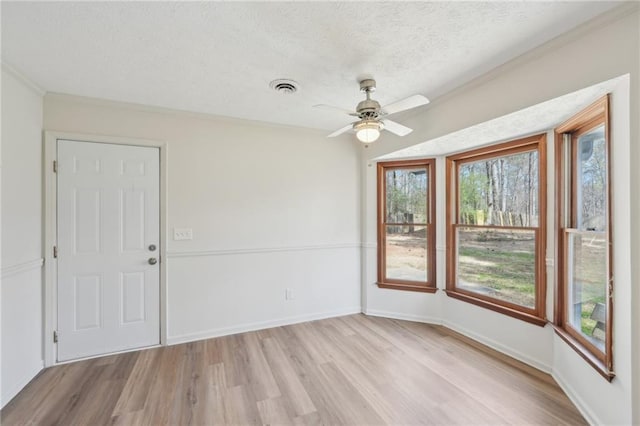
[
  {"x": 499, "y": 347},
  {"x": 472, "y": 335},
  {"x": 405, "y": 317},
  {"x": 584, "y": 409},
  {"x": 8, "y": 394},
  {"x": 243, "y": 328}
]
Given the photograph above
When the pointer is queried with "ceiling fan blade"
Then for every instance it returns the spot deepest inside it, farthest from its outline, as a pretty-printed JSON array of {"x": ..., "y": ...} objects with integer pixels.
[
  {"x": 396, "y": 128},
  {"x": 341, "y": 131},
  {"x": 335, "y": 108},
  {"x": 405, "y": 104}
]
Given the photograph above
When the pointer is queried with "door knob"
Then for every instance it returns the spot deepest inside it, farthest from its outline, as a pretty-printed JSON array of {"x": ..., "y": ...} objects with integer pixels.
[{"x": 153, "y": 261}]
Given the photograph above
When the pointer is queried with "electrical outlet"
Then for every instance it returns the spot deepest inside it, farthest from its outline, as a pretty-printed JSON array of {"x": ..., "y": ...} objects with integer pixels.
[
  {"x": 288, "y": 294},
  {"x": 182, "y": 234}
]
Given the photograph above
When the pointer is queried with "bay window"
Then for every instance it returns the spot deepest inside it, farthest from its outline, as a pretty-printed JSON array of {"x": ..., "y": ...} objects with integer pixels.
[{"x": 496, "y": 209}]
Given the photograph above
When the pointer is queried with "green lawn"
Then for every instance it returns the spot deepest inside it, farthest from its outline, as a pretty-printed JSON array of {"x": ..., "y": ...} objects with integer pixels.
[
  {"x": 502, "y": 265},
  {"x": 511, "y": 274}
]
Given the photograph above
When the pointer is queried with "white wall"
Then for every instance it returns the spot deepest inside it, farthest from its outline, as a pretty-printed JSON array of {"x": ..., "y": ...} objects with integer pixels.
[
  {"x": 566, "y": 369},
  {"x": 603, "y": 49},
  {"x": 275, "y": 207},
  {"x": 408, "y": 305},
  {"x": 21, "y": 234},
  {"x": 271, "y": 208}
]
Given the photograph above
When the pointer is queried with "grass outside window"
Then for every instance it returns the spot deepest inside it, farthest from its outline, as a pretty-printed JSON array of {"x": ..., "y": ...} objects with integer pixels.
[{"x": 496, "y": 210}]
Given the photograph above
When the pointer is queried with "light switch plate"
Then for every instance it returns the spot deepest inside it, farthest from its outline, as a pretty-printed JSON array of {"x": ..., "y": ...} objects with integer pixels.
[{"x": 182, "y": 234}]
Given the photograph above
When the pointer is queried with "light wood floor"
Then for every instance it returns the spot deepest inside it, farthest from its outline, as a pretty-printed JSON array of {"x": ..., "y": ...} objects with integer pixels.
[{"x": 349, "y": 370}]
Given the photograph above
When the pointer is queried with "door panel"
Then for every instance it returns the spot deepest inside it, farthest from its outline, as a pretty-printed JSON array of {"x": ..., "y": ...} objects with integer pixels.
[
  {"x": 86, "y": 230},
  {"x": 133, "y": 297},
  {"x": 132, "y": 218},
  {"x": 87, "y": 302},
  {"x": 108, "y": 215}
]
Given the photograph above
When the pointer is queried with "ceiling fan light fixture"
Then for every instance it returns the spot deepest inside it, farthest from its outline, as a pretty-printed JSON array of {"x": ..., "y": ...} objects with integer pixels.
[
  {"x": 373, "y": 118},
  {"x": 368, "y": 131}
]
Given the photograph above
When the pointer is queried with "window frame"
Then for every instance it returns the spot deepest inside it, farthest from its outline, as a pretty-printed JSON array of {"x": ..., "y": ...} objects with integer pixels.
[
  {"x": 428, "y": 286},
  {"x": 538, "y": 143},
  {"x": 586, "y": 120}
]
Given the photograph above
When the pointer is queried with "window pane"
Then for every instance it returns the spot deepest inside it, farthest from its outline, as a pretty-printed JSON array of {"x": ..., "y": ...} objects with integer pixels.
[
  {"x": 592, "y": 181},
  {"x": 501, "y": 191},
  {"x": 499, "y": 263},
  {"x": 406, "y": 195},
  {"x": 587, "y": 285},
  {"x": 406, "y": 253}
]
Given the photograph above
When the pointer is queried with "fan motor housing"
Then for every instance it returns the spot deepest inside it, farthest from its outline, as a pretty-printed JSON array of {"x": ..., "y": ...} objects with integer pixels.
[{"x": 368, "y": 108}]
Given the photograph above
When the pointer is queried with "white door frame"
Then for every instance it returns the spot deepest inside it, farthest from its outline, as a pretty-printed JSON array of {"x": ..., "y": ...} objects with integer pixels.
[{"x": 50, "y": 281}]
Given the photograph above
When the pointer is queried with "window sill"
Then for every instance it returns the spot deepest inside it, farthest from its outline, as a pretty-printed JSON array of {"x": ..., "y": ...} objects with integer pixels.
[
  {"x": 524, "y": 316},
  {"x": 591, "y": 359},
  {"x": 408, "y": 287}
]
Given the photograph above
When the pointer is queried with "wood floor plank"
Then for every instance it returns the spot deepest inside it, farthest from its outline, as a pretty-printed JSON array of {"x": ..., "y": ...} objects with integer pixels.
[
  {"x": 287, "y": 378},
  {"x": 34, "y": 395},
  {"x": 346, "y": 399},
  {"x": 311, "y": 419},
  {"x": 216, "y": 375},
  {"x": 190, "y": 386},
  {"x": 356, "y": 364},
  {"x": 97, "y": 406},
  {"x": 136, "y": 389},
  {"x": 210, "y": 410},
  {"x": 214, "y": 350},
  {"x": 157, "y": 408},
  {"x": 258, "y": 370},
  {"x": 362, "y": 328},
  {"x": 351, "y": 370},
  {"x": 41, "y": 402},
  {"x": 306, "y": 369},
  {"x": 273, "y": 411},
  {"x": 240, "y": 406},
  {"x": 235, "y": 359},
  {"x": 76, "y": 397},
  {"x": 133, "y": 418}
]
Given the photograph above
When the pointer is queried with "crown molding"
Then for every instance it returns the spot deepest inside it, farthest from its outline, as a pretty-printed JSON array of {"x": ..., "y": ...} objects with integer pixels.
[{"x": 19, "y": 75}]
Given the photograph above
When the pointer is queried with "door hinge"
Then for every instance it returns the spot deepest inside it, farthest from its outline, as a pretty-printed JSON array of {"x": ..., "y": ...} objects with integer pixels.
[
  {"x": 55, "y": 166},
  {"x": 55, "y": 252},
  {"x": 55, "y": 336}
]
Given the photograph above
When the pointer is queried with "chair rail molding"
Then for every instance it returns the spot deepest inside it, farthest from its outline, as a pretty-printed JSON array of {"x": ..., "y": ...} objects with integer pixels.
[
  {"x": 23, "y": 267},
  {"x": 240, "y": 251}
]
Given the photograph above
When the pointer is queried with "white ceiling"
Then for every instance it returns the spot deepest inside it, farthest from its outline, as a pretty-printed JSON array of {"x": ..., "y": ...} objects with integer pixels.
[
  {"x": 528, "y": 121},
  {"x": 219, "y": 57}
]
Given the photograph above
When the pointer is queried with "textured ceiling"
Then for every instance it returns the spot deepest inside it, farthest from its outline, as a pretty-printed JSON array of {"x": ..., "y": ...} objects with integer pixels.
[
  {"x": 535, "y": 119},
  {"x": 219, "y": 57}
]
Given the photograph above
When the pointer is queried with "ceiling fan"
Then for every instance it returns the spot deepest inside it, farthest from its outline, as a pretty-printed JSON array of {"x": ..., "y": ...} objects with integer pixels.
[{"x": 372, "y": 117}]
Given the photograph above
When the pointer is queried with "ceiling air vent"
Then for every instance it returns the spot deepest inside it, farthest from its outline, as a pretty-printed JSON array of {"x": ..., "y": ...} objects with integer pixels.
[{"x": 284, "y": 86}]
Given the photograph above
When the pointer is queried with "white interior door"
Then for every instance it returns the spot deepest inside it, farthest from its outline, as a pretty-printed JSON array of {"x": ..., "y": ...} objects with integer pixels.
[{"x": 108, "y": 234}]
